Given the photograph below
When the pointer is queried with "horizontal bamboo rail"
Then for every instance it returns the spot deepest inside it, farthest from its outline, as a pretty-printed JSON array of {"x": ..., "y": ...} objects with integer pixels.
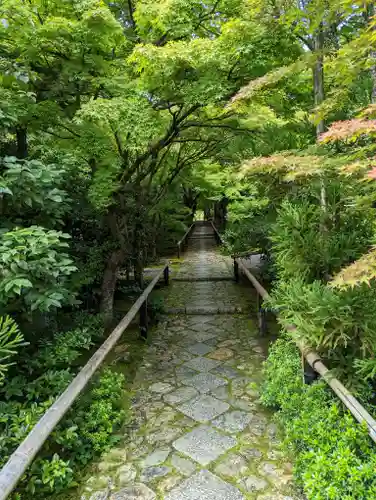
[
  {"x": 22, "y": 457},
  {"x": 216, "y": 232},
  {"x": 314, "y": 360},
  {"x": 182, "y": 242},
  {"x": 246, "y": 253}
]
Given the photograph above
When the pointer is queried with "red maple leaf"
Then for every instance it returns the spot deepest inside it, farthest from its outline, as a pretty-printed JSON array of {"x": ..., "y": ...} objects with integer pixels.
[{"x": 372, "y": 173}]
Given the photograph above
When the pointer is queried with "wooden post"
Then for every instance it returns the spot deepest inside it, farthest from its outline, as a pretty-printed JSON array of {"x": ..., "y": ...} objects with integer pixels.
[
  {"x": 236, "y": 271},
  {"x": 22, "y": 457},
  {"x": 166, "y": 275},
  {"x": 144, "y": 320},
  {"x": 179, "y": 250},
  {"x": 309, "y": 374},
  {"x": 261, "y": 315}
]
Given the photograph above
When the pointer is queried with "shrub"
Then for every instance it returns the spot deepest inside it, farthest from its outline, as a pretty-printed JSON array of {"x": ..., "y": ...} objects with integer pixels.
[
  {"x": 10, "y": 339},
  {"x": 85, "y": 432},
  {"x": 334, "y": 456},
  {"x": 35, "y": 269},
  {"x": 87, "y": 429},
  {"x": 340, "y": 324},
  {"x": 303, "y": 250}
]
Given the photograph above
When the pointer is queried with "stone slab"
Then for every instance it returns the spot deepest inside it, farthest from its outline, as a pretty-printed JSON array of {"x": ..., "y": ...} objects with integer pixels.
[
  {"x": 180, "y": 395},
  {"x": 201, "y": 364},
  {"x": 137, "y": 491},
  {"x": 233, "y": 421},
  {"x": 232, "y": 466},
  {"x": 222, "y": 354},
  {"x": 126, "y": 474},
  {"x": 151, "y": 473},
  {"x": 254, "y": 483},
  {"x": 183, "y": 465},
  {"x": 226, "y": 371},
  {"x": 161, "y": 388},
  {"x": 204, "y": 444},
  {"x": 205, "y": 486},
  {"x": 204, "y": 408},
  {"x": 204, "y": 382},
  {"x": 202, "y": 336},
  {"x": 199, "y": 349},
  {"x": 156, "y": 458},
  {"x": 183, "y": 372}
]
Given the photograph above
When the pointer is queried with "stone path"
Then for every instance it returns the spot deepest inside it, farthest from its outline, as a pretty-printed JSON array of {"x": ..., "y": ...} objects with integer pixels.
[{"x": 199, "y": 432}]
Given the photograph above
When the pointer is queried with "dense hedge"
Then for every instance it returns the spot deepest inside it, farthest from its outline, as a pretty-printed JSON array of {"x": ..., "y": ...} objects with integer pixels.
[
  {"x": 88, "y": 428},
  {"x": 334, "y": 457}
]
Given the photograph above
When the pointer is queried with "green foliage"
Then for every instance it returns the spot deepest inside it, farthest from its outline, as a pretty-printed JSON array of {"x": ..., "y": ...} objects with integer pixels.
[
  {"x": 33, "y": 191},
  {"x": 302, "y": 249},
  {"x": 50, "y": 475},
  {"x": 34, "y": 269},
  {"x": 10, "y": 340},
  {"x": 339, "y": 324},
  {"x": 88, "y": 428},
  {"x": 318, "y": 432},
  {"x": 65, "y": 347}
]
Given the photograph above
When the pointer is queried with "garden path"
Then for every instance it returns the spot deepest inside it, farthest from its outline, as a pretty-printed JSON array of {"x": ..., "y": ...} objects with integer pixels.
[{"x": 199, "y": 432}]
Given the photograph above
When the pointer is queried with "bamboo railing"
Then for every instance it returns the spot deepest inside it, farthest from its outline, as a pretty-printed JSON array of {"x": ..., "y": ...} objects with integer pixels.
[
  {"x": 23, "y": 456},
  {"x": 181, "y": 244},
  {"x": 309, "y": 355},
  {"x": 315, "y": 362}
]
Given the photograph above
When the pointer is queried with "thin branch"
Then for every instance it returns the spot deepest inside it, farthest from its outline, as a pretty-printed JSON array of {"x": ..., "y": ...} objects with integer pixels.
[
  {"x": 171, "y": 133},
  {"x": 55, "y": 135},
  {"x": 306, "y": 41},
  {"x": 69, "y": 130},
  {"x": 118, "y": 144},
  {"x": 131, "y": 17},
  {"x": 217, "y": 125},
  {"x": 182, "y": 141}
]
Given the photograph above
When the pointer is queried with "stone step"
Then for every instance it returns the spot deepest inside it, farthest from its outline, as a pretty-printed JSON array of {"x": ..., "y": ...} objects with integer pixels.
[
  {"x": 203, "y": 279},
  {"x": 205, "y": 311}
]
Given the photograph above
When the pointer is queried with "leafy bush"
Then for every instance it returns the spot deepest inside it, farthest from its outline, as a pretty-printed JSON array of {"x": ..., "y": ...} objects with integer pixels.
[
  {"x": 304, "y": 250},
  {"x": 334, "y": 456},
  {"x": 87, "y": 429},
  {"x": 340, "y": 324},
  {"x": 33, "y": 189},
  {"x": 34, "y": 269},
  {"x": 10, "y": 340}
]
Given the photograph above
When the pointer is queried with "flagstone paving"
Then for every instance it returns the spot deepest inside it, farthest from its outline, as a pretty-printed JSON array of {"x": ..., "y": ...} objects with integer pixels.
[{"x": 199, "y": 432}]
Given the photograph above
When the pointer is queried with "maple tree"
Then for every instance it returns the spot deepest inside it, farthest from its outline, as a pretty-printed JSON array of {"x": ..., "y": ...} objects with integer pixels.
[{"x": 120, "y": 120}]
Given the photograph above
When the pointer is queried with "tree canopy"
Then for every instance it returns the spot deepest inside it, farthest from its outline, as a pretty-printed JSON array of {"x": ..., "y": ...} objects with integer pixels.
[{"x": 119, "y": 121}]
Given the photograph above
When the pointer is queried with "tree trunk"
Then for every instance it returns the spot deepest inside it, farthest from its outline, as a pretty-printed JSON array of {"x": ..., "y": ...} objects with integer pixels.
[
  {"x": 373, "y": 74},
  {"x": 220, "y": 213},
  {"x": 109, "y": 285},
  {"x": 370, "y": 14},
  {"x": 21, "y": 142},
  {"x": 318, "y": 76},
  {"x": 319, "y": 96},
  {"x": 139, "y": 270}
]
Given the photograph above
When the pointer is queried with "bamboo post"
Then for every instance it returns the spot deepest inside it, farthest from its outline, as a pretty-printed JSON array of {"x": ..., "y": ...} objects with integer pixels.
[
  {"x": 182, "y": 242},
  {"x": 314, "y": 360},
  {"x": 309, "y": 374},
  {"x": 144, "y": 320},
  {"x": 261, "y": 316},
  {"x": 166, "y": 275},
  {"x": 22, "y": 457},
  {"x": 236, "y": 271}
]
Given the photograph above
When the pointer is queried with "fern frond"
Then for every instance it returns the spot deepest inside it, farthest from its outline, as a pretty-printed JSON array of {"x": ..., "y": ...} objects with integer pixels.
[{"x": 10, "y": 339}]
